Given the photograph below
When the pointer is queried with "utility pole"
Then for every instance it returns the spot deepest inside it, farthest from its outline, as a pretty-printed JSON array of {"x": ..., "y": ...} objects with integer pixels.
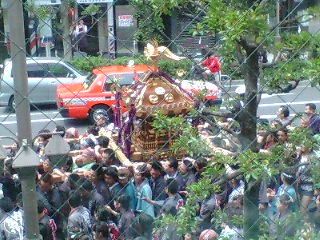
[{"x": 26, "y": 160}]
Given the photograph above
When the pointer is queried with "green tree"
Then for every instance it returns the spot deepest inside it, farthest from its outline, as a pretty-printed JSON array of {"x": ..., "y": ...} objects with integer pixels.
[{"x": 243, "y": 27}]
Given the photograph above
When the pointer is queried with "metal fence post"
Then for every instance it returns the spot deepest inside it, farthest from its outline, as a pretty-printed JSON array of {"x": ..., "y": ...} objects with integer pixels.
[{"x": 27, "y": 169}]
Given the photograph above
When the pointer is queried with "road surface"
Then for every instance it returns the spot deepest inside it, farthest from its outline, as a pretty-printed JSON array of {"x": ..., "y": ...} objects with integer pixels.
[{"x": 48, "y": 116}]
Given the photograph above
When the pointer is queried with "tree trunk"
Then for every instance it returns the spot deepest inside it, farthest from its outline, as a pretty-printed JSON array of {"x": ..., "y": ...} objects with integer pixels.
[
  {"x": 248, "y": 116},
  {"x": 67, "y": 45},
  {"x": 251, "y": 210},
  {"x": 248, "y": 122}
]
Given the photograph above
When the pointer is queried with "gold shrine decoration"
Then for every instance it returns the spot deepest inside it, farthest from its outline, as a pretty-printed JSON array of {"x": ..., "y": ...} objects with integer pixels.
[
  {"x": 157, "y": 93},
  {"x": 154, "y": 52}
]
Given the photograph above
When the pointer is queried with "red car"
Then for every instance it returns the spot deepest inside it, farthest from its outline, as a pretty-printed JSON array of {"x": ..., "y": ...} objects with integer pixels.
[{"x": 94, "y": 95}]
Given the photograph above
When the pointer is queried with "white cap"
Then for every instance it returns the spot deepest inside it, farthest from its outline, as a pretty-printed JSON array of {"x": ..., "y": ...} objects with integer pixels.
[
  {"x": 131, "y": 63},
  {"x": 241, "y": 90}
]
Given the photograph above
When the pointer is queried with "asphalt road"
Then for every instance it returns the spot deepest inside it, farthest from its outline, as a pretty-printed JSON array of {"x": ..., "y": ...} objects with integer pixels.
[{"x": 48, "y": 116}]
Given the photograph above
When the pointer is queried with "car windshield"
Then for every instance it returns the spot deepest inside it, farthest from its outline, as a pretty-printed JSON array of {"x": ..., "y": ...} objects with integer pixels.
[
  {"x": 75, "y": 69},
  {"x": 88, "y": 81},
  {"x": 123, "y": 78}
]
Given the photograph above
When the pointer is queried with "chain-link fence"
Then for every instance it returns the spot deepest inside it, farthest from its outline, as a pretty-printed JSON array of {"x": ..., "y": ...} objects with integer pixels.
[{"x": 159, "y": 119}]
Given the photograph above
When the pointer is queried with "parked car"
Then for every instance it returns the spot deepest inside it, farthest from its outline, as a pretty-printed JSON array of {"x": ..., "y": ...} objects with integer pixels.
[
  {"x": 94, "y": 96},
  {"x": 44, "y": 74}
]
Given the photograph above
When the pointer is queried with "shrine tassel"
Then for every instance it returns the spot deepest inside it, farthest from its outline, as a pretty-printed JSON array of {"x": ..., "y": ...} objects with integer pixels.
[
  {"x": 117, "y": 114},
  {"x": 128, "y": 129}
]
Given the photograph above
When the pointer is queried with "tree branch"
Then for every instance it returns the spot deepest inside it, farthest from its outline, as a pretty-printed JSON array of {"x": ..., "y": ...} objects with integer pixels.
[
  {"x": 293, "y": 85},
  {"x": 226, "y": 177},
  {"x": 226, "y": 114},
  {"x": 234, "y": 134}
]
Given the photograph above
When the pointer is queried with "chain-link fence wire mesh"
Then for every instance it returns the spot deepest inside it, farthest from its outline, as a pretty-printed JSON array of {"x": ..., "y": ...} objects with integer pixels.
[{"x": 172, "y": 41}]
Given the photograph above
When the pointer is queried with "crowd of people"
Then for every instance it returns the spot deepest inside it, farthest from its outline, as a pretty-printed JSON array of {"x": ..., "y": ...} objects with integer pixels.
[{"x": 94, "y": 195}]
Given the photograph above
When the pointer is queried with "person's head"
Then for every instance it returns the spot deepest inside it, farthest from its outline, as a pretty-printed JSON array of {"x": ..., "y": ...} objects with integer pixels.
[
  {"x": 73, "y": 180},
  {"x": 46, "y": 182},
  {"x": 200, "y": 164},
  {"x": 103, "y": 141},
  {"x": 171, "y": 187},
  {"x": 276, "y": 124},
  {"x": 93, "y": 130},
  {"x": 306, "y": 148},
  {"x": 287, "y": 178},
  {"x": 41, "y": 209},
  {"x": 88, "y": 156},
  {"x": 310, "y": 109},
  {"x": 272, "y": 137},
  {"x": 156, "y": 169},
  {"x": 283, "y": 203},
  {"x": 235, "y": 182},
  {"x": 304, "y": 123},
  {"x": 68, "y": 166},
  {"x": 283, "y": 112},
  {"x": 282, "y": 135},
  {"x": 141, "y": 173},
  {"x": 124, "y": 175},
  {"x": 80, "y": 160},
  {"x": 44, "y": 136},
  {"x": 122, "y": 203},
  {"x": 6, "y": 204},
  {"x": 142, "y": 225},
  {"x": 101, "y": 230},
  {"x": 102, "y": 215},
  {"x": 203, "y": 51},
  {"x": 86, "y": 188},
  {"x": 108, "y": 156},
  {"x": 46, "y": 166},
  {"x": 97, "y": 173},
  {"x": 111, "y": 176},
  {"x": 211, "y": 54},
  {"x": 185, "y": 166},
  {"x": 208, "y": 234},
  {"x": 81, "y": 22},
  {"x": 87, "y": 143},
  {"x": 75, "y": 199},
  {"x": 8, "y": 169},
  {"x": 238, "y": 201},
  {"x": 188, "y": 236},
  {"x": 61, "y": 130},
  {"x": 206, "y": 132},
  {"x": 171, "y": 166},
  {"x": 101, "y": 120},
  {"x": 72, "y": 133}
]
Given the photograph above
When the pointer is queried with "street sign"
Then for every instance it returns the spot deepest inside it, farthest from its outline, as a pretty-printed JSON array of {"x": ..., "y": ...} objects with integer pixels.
[
  {"x": 125, "y": 20},
  {"x": 94, "y": 1}
]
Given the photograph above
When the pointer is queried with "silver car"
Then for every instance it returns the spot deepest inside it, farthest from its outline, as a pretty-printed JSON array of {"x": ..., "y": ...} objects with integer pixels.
[{"x": 44, "y": 74}]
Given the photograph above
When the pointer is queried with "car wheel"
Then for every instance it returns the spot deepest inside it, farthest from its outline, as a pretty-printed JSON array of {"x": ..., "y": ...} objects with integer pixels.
[
  {"x": 12, "y": 104},
  {"x": 100, "y": 110}
]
